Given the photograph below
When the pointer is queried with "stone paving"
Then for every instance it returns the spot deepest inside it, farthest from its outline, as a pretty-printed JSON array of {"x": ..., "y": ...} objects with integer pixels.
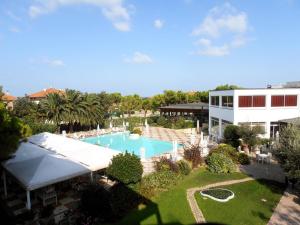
[
  {"x": 166, "y": 134},
  {"x": 271, "y": 171},
  {"x": 198, "y": 215},
  {"x": 287, "y": 211}
]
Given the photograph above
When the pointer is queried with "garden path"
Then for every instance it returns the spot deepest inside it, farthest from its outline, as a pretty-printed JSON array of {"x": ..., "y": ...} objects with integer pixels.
[{"x": 193, "y": 203}]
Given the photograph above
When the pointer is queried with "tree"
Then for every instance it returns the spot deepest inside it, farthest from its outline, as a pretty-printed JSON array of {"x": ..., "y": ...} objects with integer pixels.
[
  {"x": 1, "y": 93},
  {"x": 288, "y": 151},
  {"x": 170, "y": 97},
  {"x": 146, "y": 105},
  {"x": 226, "y": 87},
  {"x": 249, "y": 135},
  {"x": 182, "y": 97},
  {"x": 232, "y": 135},
  {"x": 157, "y": 101},
  {"x": 23, "y": 107},
  {"x": 52, "y": 108},
  {"x": 12, "y": 130},
  {"x": 130, "y": 103}
]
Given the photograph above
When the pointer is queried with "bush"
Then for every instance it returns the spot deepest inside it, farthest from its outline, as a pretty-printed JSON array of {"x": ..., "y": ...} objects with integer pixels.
[
  {"x": 193, "y": 155},
  {"x": 38, "y": 127},
  {"x": 158, "y": 181},
  {"x": 125, "y": 168},
  {"x": 226, "y": 150},
  {"x": 243, "y": 159},
  {"x": 166, "y": 164},
  {"x": 220, "y": 163},
  {"x": 137, "y": 131},
  {"x": 184, "y": 167}
]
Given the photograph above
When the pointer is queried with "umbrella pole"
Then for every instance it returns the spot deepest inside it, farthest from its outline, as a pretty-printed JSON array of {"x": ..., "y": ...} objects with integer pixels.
[
  {"x": 28, "y": 205},
  {"x": 4, "y": 184}
]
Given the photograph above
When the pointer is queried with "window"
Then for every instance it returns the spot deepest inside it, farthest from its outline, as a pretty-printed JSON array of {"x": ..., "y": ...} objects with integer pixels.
[
  {"x": 245, "y": 101},
  {"x": 283, "y": 100},
  {"x": 227, "y": 101},
  {"x": 252, "y": 101},
  {"x": 262, "y": 125},
  {"x": 290, "y": 100},
  {"x": 259, "y": 101},
  {"x": 214, "y": 125},
  {"x": 214, "y": 100},
  {"x": 277, "y": 100}
]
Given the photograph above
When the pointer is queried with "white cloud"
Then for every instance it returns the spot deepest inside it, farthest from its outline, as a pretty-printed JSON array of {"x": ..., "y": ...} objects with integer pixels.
[
  {"x": 139, "y": 58},
  {"x": 113, "y": 10},
  {"x": 225, "y": 25},
  {"x": 47, "y": 61},
  {"x": 54, "y": 62},
  {"x": 158, "y": 23},
  {"x": 14, "y": 29},
  {"x": 11, "y": 15}
]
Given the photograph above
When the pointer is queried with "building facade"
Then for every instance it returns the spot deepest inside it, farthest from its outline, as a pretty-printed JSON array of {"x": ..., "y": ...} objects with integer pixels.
[
  {"x": 9, "y": 101},
  {"x": 38, "y": 96},
  {"x": 252, "y": 107}
]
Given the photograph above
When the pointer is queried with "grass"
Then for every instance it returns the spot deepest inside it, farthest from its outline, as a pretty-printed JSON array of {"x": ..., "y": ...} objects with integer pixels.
[
  {"x": 247, "y": 207},
  {"x": 171, "y": 207}
]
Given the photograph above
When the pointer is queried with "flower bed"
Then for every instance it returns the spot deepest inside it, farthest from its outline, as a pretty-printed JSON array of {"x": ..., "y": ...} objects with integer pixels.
[{"x": 218, "y": 194}]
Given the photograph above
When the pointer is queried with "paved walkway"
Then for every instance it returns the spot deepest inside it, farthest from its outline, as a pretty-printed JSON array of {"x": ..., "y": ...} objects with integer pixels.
[
  {"x": 287, "y": 211},
  {"x": 193, "y": 203},
  {"x": 271, "y": 171}
]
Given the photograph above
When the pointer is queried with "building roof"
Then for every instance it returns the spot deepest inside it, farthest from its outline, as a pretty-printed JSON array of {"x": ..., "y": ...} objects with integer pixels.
[
  {"x": 294, "y": 121},
  {"x": 8, "y": 97},
  {"x": 193, "y": 106},
  {"x": 49, "y": 158},
  {"x": 45, "y": 92}
]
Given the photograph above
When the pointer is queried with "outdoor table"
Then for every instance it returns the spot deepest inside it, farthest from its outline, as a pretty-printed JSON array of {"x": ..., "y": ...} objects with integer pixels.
[{"x": 263, "y": 156}]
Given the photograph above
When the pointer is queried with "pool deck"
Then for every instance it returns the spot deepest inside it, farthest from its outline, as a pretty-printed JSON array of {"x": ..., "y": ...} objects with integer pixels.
[{"x": 165, "y": 134}]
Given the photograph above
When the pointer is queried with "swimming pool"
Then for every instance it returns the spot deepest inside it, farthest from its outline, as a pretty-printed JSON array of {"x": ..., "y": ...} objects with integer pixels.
[{"x": 123, "y": 142}]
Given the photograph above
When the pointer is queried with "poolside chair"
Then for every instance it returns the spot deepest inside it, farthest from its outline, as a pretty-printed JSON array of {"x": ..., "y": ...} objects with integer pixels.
[{"x": 268, "y": 159}]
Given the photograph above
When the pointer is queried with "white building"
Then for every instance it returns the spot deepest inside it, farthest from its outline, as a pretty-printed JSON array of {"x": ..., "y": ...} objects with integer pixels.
[{"x": 253, "y": 107}]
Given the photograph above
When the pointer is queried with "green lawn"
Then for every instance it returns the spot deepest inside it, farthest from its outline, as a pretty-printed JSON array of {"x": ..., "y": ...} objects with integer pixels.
[
  {"x": 171, "y": 207},
  {"x": 247, "y": 208}
]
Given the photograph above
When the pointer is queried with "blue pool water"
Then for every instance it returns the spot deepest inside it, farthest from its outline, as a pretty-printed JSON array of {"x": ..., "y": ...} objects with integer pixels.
[{"x": 123, "y": 142}]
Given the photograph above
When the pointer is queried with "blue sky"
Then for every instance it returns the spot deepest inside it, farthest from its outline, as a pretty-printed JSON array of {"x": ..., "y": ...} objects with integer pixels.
[{"x": 146, "y": 47}]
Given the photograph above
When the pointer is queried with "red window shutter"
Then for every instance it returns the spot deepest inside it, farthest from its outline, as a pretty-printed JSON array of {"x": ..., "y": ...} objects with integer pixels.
[
  {"x": 277, "y": 100},
  {"x": 291, "y": 100},
  {"x": 259, "y": 101},
  {"x": 245, "y": 101}
]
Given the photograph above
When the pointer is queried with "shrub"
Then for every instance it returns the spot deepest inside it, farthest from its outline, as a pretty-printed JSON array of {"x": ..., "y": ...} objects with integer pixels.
[
  {"x": 158, "y": 181},
  {"x": 193, "y": 155},
  {"x": 125, "y": 168},
  {"x": 38, "y": 127},
  {"x": 184, "y": 167},
  {"x": 137, "y": 131},
  {"x": 243, "y": 159},
  {"x": 220, "y": 163},
  {"x": 226, "y": 150},
  {"x": 166, "y": 164}
]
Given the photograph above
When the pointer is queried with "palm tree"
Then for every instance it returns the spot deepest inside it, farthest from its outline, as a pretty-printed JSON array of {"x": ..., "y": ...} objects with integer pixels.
[
  {"x": 52, "y": 108},
  {"x": 75, "y": 108}
]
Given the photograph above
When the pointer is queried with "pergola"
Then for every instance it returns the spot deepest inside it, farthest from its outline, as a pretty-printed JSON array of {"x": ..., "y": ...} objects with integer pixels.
[
  {"x": 198, "y": 110},
  {"x": 49, "y": 158}
]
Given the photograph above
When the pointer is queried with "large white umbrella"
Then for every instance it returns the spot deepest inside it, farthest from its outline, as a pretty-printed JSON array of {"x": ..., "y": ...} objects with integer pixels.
[
  {"x": 143, "y": 154},
  {"x": 98, "y": 128},
  {"x": 146, "y": 123},
  {"x": 110, "y": 125},
  {"x": 193, "y": 139},
  {"x": 175, "y": 148}
]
